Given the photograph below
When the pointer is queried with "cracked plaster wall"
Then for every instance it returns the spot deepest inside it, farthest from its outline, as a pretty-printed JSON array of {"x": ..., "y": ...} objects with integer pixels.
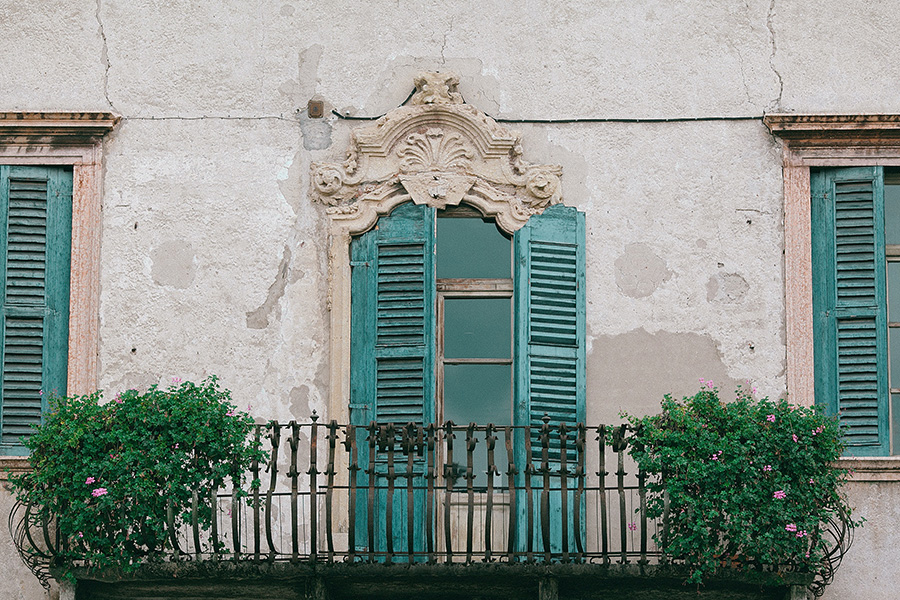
[{"x": 212, "y": 157}]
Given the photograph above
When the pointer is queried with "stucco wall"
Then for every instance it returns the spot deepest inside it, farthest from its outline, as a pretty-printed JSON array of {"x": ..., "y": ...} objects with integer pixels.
[{"x": 214, "y": 261}]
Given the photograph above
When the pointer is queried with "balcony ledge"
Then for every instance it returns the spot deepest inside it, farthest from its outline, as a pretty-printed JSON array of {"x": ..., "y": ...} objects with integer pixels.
[{"x": 336, "y": 581}]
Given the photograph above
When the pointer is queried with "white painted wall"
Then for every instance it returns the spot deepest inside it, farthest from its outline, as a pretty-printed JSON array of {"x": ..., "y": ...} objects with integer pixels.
[{"x": 214, "y": 260}]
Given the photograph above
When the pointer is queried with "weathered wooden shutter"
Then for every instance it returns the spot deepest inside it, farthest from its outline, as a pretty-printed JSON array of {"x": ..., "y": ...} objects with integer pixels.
[
  {"x": 393, "y": 319},
  {"x": 36, "y": 220},
  {"x": 849, "y": 304},
  {"x": 550, "y": 312}
]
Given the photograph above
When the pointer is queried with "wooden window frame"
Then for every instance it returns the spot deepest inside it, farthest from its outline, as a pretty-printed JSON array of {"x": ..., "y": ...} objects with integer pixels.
[{"x": 71, "y": 139}]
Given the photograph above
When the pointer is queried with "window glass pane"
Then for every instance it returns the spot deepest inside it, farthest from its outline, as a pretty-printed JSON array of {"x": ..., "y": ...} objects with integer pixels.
[
  {"x": 472, "y": 248},
  {"x": 891, "y": 214},
  {"x": 480, "y": 394},
  {"x": 477, "y": 327},
  {"x": 894, "y": 353},
  {"x": 893, "y": 269}
]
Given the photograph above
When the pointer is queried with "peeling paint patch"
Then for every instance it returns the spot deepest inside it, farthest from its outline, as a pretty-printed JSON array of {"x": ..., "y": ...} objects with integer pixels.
[
  {"x": 316, "y": 133},
  {"x": 633, "y": 371},
  {"x": 299, "y": 407},
  {"x": 639, "y": 271},
  {"x": 259, "y": 318},
  {"x": 173, "y": 264},
  {"x": 727, "y": 288}
]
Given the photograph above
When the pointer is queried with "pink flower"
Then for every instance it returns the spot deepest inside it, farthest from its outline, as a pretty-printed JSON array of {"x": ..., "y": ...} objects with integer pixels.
[
  {"x": 40, "y": 392},
  {"x": 230, "y": 413},
  {"x": 119, "y": 398},
  {"x": 716, "y": 455},
  {"x": 176, "y": 445},
  {"x": 801, "y": 533},
  {"x": 98, "y": 492},
  {"x": 779, "y": 495},
  {"x": 767, "y": 468},
  {"x": 176, "y": 380},
  {"x": 709, "y": 384},
  {"x": 89, "y": 480},
  {"x": 770, "y": 418},
  {"x": 794, "y": 437},
  {"x": 632, "y": 526},
  {"x": 811, "y": 480},
  {"x": 790, "y": 527},
  {"x": 80, "y": 535}
]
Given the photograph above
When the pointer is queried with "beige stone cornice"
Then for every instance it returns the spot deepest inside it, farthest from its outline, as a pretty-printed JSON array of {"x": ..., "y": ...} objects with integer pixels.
[
  {"x": 436, "y": 151},
  {"x": 54, "y": 128}
]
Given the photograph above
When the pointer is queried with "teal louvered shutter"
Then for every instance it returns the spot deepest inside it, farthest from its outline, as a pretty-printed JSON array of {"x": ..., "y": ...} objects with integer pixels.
[
  {"x": 393, "y": 319},
  {"x": 549, "y": 362},
  {"x": 392, "y": 358},
  {"x": 849, "y": 304},
  {"x": 36, "y": 220},
  {"x": 550, "y": 312}
]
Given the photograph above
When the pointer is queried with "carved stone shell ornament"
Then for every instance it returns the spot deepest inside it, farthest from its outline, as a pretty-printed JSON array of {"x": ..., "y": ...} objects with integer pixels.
[{"x": 437, "y": 151}]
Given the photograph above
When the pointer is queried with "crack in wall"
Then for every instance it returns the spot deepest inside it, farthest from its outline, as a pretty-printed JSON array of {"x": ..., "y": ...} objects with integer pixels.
[
  {"x": 770, "y": 17},
  {"x": 104, "y": 56}
]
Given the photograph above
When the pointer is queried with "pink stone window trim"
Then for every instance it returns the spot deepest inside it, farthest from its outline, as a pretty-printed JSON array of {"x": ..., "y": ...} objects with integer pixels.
[
  {"x": 69, "y": 138},
  {"x": 818, "y": 141}
]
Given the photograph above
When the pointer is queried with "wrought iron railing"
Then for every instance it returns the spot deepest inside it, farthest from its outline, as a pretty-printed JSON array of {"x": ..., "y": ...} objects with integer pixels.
[{"x": 391, "y": 493}]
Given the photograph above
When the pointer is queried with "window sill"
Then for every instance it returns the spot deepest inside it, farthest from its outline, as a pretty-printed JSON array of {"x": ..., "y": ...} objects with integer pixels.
[{"x": 871, "y": 468}]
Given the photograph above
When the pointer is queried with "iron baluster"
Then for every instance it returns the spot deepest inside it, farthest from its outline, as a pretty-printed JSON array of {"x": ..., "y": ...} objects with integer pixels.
[
  {"x": 430, "y": 476},
  {"x": 350, "y": 445},
  {"x": 470, "y": 491},
  {"x": 511, "y": 473},
  {"x": 329, "y": 489},
  {"x": 294, "y": 474},
  {"x": 254, "y": 467},
  {"x": 449, "y": 477},
  {"x": 313, "y": 473},
  {"x": 579, "y": 488},
  {"x": 604, "y": 509},
  {"x": 545, "y": 492},
  {"x": 529, "y": 497},
  {"x": 490, "y": 440},
  {"x": 564, "y": 488},
  {"x": 370, "y": 512},
  {"x": 619, "y": 444},
  {"x": 272, "y": 469}
]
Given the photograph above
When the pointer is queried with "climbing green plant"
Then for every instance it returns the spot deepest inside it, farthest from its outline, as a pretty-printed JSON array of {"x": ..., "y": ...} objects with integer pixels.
[
  {"x": 109, "y": 472},
  {"x": 748, "y": 482}
]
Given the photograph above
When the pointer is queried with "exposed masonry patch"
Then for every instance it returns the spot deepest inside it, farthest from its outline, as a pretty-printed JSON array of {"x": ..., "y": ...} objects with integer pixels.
[
  {"x": 173, "y": 264},
  {"x": 639, "y": 271},
  {"x": 634, "y": 370},
  {"x": 259, "y": 318},
  {"x": 299, "y": 406},
  {"x": 726, "y": 288},
  {"x": 316, "y": 133}
]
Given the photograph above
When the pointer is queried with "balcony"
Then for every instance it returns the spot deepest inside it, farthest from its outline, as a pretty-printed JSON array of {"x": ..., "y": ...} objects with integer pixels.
[{"x": 441, "y": 511}]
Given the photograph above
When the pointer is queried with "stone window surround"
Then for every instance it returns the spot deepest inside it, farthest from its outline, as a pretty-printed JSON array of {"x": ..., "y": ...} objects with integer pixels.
[
  {"x": 437, "y": 151},
  {"x": 75, "y": 139},
  {"x": 823, "y": 141}
]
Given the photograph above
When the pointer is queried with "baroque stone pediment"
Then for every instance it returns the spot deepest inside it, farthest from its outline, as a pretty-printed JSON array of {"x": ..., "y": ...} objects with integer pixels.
[{"x": 437, "y": 151}]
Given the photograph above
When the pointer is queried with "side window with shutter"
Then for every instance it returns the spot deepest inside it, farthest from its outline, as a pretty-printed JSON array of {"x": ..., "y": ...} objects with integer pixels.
[
  {"x": 36, "y": 220},
  {"x": 850, "y": 304}
]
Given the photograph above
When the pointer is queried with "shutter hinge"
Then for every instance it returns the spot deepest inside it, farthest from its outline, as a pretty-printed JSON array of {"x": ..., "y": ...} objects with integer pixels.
[
  {"x": 359, "y": 263},
  {"x": 353, "y": 405}
]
